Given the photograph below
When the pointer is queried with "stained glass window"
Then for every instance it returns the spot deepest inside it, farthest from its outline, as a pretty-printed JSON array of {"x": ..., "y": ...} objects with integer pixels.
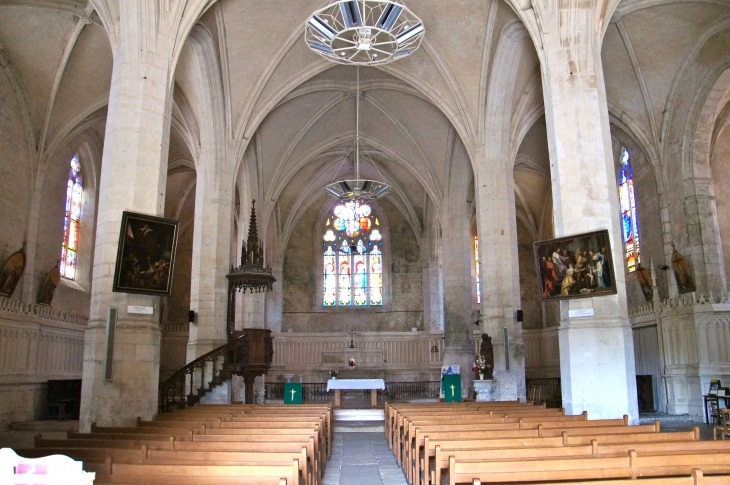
[
  {"x": 629, "y": 219},
  {"x": 476, "y": 264},
  {"x": 74, "y": 191},
  {"x": 353, "y": 257}
]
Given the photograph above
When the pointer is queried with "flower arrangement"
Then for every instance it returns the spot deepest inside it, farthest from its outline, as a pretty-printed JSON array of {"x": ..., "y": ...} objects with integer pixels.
[
  {"x": 333, "y": 374},
  {"x": 480, "y": 365},
  {"x": 351, "y": 363},
  {"x": 389, "y": 394}
]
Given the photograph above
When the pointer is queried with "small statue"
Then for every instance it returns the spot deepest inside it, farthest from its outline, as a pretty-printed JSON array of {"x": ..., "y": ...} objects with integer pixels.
[
  {"x": 682, "y": 273},
  {"x": 486, "y": 352}
]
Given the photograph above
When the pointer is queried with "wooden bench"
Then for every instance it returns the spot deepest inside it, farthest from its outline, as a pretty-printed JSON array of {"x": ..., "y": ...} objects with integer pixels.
[
  {"x": 697, "y": 478},
  {"x": 100, "y": 459},
  {"x": 442, "y": 456},
  {"x": 413, "y": 449},
  {"x": 680, "y": 438},
  {"x": 630, "y": 466},
  {"x": 201, "y": 474}
]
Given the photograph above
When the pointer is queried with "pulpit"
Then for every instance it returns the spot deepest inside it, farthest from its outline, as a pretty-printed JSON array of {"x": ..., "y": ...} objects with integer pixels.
[{"x": 256, "y": 360}]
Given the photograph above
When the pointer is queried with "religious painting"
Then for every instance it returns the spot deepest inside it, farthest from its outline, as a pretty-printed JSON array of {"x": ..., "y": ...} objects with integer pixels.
[
  {"x": 682, "y": 272},
  {"x": 45, "y": 292},
  {"x": 577, "y": 266},
  {"x": 12, "y": 271},
  {"x": 146, "y": 254}
]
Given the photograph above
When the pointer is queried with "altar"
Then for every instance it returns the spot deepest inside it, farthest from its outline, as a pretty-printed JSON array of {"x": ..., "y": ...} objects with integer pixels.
[{"x": 338, "y": 385}]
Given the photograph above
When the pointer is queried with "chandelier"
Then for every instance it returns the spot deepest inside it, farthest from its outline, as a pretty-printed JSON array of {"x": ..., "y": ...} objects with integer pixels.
[
  {"x": 252, "y": 275},
  {"x": 357, "y": 188},
  {"x": 364, "y": 32}
]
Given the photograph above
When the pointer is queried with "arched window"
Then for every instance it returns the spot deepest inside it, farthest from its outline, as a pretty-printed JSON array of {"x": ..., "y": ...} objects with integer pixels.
[
  {"x": 629, "y": 219},
  {"x": 74, "y": 191},
  {"x": 476, "y": 264},
  {"x": 353, "y": 257}
]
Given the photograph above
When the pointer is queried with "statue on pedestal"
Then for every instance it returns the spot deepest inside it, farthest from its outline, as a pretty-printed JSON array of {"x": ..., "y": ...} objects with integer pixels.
[{"x": 486, "y": 352}]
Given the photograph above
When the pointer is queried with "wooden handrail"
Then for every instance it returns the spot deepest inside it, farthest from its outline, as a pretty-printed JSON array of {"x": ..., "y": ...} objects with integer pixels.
[{"x": 230, "y": 351}]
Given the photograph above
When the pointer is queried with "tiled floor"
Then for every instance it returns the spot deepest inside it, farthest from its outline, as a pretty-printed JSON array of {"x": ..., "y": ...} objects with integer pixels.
[{"x": 362, "y": 459}]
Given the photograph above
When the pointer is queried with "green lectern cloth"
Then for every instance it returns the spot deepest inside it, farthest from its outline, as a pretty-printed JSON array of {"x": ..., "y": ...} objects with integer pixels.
[
  {"x": 451, "y": 385},
  {"x": 292, "y": 393}
]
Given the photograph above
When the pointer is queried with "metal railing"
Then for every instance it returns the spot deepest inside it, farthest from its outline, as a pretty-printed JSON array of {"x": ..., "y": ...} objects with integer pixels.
[
  {"x": 551, "y": 392},
  {"x": 401, "y": 391}
]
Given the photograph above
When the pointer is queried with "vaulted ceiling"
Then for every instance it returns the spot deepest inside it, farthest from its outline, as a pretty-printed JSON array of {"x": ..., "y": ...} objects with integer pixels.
[{"x": 290, "y": 115}]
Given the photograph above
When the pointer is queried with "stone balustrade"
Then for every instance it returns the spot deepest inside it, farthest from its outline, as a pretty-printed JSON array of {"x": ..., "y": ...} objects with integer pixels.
[
  {"x": 37, "y": 343},
  {"x": 394, "y": 355}
]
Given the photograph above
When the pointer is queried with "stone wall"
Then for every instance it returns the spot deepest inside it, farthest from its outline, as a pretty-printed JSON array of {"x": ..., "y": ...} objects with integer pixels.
[
  {"x": 37, "y": 344},
  {"x": 15, "y": 175},
  {"x": 529, "y": 287},
  {"x": 403, "y": 295}
]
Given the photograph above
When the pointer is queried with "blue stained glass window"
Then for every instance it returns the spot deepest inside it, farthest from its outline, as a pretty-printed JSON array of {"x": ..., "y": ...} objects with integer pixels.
[
  {"x": 353, "y": 266},
  {"x": 69, "y": 248},
  {"x": 629, "y": 218}
]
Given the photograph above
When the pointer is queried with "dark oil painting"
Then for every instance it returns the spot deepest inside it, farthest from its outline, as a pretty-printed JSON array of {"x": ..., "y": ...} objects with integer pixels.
[
  {"x": 575, "y": 267},
  {"x": 146, "y": 254}
]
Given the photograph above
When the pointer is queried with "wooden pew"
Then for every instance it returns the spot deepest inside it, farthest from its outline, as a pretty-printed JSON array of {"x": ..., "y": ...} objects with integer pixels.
[
  {"x": 696, "y": 478},
  {"x": 413, "y": 448},
  {"x": 630, "y": 466},
  {"x": 395, "y": 430},
  {"x": 685, "y": 438},
  {"x": 188, "y": 453},
  {"x": 201, "y": 474},
  {"x": 666, "y": 448}
]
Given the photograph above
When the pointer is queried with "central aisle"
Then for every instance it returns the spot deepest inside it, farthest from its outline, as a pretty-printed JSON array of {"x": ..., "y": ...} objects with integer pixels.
[{"x": 362, "y": 459}]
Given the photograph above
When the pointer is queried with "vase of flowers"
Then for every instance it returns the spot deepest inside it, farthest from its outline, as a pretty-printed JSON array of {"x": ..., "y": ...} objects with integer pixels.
[
  {"x": 480, "y": 366},
  {"x": 351, "y": 363},
  {"x": 333, "y": 374},
  {"x": 389, "y": 395}
]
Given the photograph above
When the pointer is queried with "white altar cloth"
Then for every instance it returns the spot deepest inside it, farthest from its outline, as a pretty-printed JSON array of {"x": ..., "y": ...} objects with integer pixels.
[{"x": 355, "y": 384}]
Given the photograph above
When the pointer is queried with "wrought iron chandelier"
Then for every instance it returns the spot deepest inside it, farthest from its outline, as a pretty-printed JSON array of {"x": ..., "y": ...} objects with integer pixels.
[
  {"x": 252, "y": 275},
  {"x": 364, "y": 32},
  {"x": 357, "y": 188}
]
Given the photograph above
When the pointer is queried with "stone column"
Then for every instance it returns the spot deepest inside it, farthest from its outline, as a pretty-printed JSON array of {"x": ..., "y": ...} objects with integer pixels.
[
  {"x": 432, "y": 274},
  {"x": 214, "y": 200},
  {"x": 455, "y": 243},
  {"x": 596, "y": 352},
  {"x": 497, "y": 222},
  {"x": 133, "y": 176}
]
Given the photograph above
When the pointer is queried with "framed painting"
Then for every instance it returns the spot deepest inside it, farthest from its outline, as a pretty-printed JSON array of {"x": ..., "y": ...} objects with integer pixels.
[
  {"x": 575, "y": 267},
  {"x": 146, "y": 254}
]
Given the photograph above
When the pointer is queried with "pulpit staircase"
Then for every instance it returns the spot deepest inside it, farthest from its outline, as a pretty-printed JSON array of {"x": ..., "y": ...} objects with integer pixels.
[{"x": 248, "y": 354}]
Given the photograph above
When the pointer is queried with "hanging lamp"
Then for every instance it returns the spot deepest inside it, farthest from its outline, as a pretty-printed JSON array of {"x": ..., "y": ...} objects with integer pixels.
[
  {"x": 357, "y": 188},
  {"x": 364, "y": 32}
]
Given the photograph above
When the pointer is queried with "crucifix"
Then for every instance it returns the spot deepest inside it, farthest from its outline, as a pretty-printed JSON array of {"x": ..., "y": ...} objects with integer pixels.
[
  {"x": 352, "y": 343},
  {"x": 452, "y": 389},
  {"x": 292, "y": 394}
]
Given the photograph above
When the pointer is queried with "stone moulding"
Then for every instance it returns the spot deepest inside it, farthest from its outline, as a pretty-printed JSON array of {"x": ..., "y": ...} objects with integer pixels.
[
  {"x": 692, "y": 302},
  {"x": 43, "y": 311}
]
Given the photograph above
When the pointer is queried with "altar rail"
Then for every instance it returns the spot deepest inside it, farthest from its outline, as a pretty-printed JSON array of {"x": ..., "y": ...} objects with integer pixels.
[{"x": 401, "y": 391}]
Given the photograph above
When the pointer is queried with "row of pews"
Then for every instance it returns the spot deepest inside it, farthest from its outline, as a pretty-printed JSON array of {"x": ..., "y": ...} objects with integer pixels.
[
  {"x": 208, "y": 444},
  {"x": 508, "y": 442}
]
